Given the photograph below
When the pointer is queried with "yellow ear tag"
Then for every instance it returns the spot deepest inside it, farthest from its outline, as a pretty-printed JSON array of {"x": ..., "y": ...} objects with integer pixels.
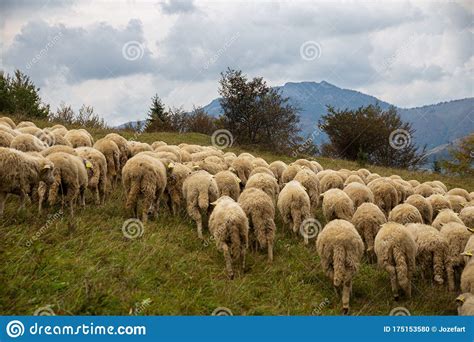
[
  {"x": 88, "y": 165},
  {"x": 461, "y": 299}
]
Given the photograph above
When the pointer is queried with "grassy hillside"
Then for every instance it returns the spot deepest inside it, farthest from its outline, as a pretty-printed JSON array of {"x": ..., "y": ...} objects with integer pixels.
[{"x": 85, "y": 265}]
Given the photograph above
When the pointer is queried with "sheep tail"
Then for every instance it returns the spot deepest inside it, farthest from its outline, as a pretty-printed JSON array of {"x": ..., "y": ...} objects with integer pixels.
[
  {"x": 339, "y": 258},
  {"x": 401, "y": 267},
  {"x": 234, "y": 238}
]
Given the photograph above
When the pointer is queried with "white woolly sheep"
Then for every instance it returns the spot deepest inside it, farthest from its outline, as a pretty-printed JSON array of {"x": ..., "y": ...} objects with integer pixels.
[
  {"x": 78, "y": 138},
  {"x": 20, "y": 173},
  {"x": 468, "y": 252},
  {"x": 278, "y": 167},
  {"x": 465, "y": 303},
  {"x": 396, "y": 250},
  {"x": 294, "y": 206},
  {"x": 229, "y": 226},
  {"x": 331, "y": 181},
  {"x": 467, "y": 216},
  {"x": 27, "y": 143},
  {"x": 5, "y": 139},
  {"x": 467, "y": 277},
  {"x": 359, "y": 193},
  {"x": 98, "y": 177},
  {"x": 317, "y": 165},
  {"x": 137, "y": 147},
  {"x": 144, "y": 177},
  {"x": 199, "y": 189},
  {"x": 25, "y": 124},
  {"x": 228, "y": 184},
  {"x": 405, "y": 213},
  {"x": 424, "y": 190},
  {"x": 367, "y": 219},
  {"x": 112, "y": 154},
  {"x": 432, "y": 251},
  {"x": 177, "y": 173},
  {"x": 340, "y": 248},
  {"x": 122, "y": 144},
  {"x": 262, "y": 169},
  {"x": 306, "y": 164},
  {"x": 259, "y": 162},
  {"x": 354, "y": 179},
  {"x": 260, "y": 210},
  {"x": 385, "y": 194},
  {"x": 414, "y": 183},
  {"x": 337, "y": 205},
  {"x": 445, "y": 216},
  {"x": 457, "y": 236},
  {"x": 210, "y": 167},
  {"x": 242, "y": 167},
  {"x": 460, "y": 192},
  {"x": 310, "y": 182},
  {"x": 71, "y": 177},
  {"x": 8, "y": 121},
  {"x": 290, "y": 172},
  {"x": 30, "y": 130},
  {"x": 58, "y": 148},
  {"x": 423, "y": 206},
  {"x": 372, "y": 177},
  {"x": 457, "y": 202},
  {"x": 266, "y": 183}
]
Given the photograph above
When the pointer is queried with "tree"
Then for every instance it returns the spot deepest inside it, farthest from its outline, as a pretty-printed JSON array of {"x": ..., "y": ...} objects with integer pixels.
[
  {"x": 20, "y": 97},
  {"x": 380, "y": 135},
  {"x": 257, "y": 114},
  {"x": 158, "y": 119},
  {"x": 199, "y": 121},
  {"x": 462, "y": 158}
]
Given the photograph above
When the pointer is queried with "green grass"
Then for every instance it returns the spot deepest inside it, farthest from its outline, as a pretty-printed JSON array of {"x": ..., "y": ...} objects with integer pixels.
[{"x": 85, "y": 265}]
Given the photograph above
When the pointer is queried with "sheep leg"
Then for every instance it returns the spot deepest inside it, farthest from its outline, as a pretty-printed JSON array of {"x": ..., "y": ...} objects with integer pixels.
[
  {"x": 438, "y": 268},
  {"x": 393, "y": 280},
  {"x": 3, "y": 198},
  {"x": 82, "y": 194},
  {"x": 228, "y": 261},
  {"x": 270, "y": 250},
  {"x": 346, "y": 293},
  {"x": 450, "y": 273},
  {"x": 97, "y": 195},
  {"x": 195, "y": 214}
]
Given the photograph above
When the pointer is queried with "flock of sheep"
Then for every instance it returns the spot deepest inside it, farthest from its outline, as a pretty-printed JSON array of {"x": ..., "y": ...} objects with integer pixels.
[{"x": 401, "y": 224}]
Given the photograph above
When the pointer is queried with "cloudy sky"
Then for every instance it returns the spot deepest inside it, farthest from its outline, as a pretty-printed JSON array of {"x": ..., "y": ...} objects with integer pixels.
[{"x": 115, "y": 55}]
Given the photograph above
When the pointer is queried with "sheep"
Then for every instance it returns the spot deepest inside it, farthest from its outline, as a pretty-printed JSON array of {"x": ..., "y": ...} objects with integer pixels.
[
  {"x": 359, "y": 193},
  {"x": 5, "y": 139},
  {"x": 199, "y": 189},
  {"x": 414, "y": 183},
  {"x": 78, "y": 138},
  {"x": 290, "y": 172},
  {"x": 228, "y": 184},
  {"x": 372, "y": 177},
  {"x": 405, "y": 213},
  {"x": 469, "y": 249},
  {"x": 278, "y": 167},
  {"x": 210, "y": 167},
  {"x": 310, "y": 182},
  {"x": 423, "y": 206},
  {"x": 344, "y": 174},
  {"x": 71, "y": 176},
  {"x": 457, "y": 236},
  {"x": 122, "y": 144},
  {"x": 246, "y": 155},
  {"x": 460, "y": 192},
  {"x": 440, "y": 185},
  {"x": 471, "y": 195},
  {"x": 266, "y": 183},
  {"x": 259, "y": 162},
  {"x": 5, "y": 128},
  {"x": 190, "y": 148},
  {"x": 98, "y": 178},
  {"x": 112, "y": 154},
  {"x": 20, "y": 173},
  {"x": 432, "y": 251},
  {"x": 367, "y": 219},
  {"x": 465, "y": 303},
  {"x": 354, "y": 179},
  {"x": 306, "y": 164},
  {"x": 25, "y": 124},
  {"x": 424, "y": 190},
  {"x": 157, "y": 144},
  {"x": 396, "y": 250},
  {"x": 404, "y": 188},
  {"x": 261, "y": 169},
  {"x": 30, "y": 130},
  {"x": 331, "y": 181},
  {"x": 137, "y": 147},
  {"x": 318, "y": 166},
  {"x": 385, "y": 194},
  {"x": 467, "y": 216},
  {"x": 242, "y": 167},
  {"x": 363, "y": 173},
  {"x": 445, "y": 216},
  {"x": 437, "y": 188},
  {"x": 260, "y": 210},
  {"x": 169, "y": 148},
  {"x": 337, "y": 205},
  {"x": 206, "y": 152},
  {"x": 457, "y": 202},
  {"x": 58, "y": 148},
  {"x": 340, "y": 248},
  {"x": 467, "y": 277},
  {"x": 54, "y": 138},
  {"x": 229, "y": 158},
  {"x": 294, "y": 206},
  {"x": 27, "y": 143},
  {"x": 177, "y": 173},
  {"x": 144, "y": 177},
  {"x": 8, "y": 121},
  {"x": 229, "y": 227}
]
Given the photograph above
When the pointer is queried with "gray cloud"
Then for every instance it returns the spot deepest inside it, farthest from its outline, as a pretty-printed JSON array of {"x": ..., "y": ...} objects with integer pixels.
[{"x": 177, "y": 6}]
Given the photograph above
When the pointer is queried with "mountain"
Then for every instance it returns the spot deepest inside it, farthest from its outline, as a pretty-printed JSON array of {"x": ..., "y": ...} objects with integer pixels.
[{"x": 435, "y": 125}]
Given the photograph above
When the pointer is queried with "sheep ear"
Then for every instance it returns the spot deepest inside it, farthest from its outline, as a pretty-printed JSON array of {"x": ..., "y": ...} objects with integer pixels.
[
  {"x": 170, "y": 165},
  {"x": 467, "y": 253},
  {"x": 213, "y": 203},
  {"x": 460, "y": 299},
  {"x": 46, "y": 167}
]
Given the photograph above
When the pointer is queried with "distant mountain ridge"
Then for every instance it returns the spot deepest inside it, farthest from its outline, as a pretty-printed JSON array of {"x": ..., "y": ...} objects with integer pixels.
[{"x": 436, "y": 125}]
